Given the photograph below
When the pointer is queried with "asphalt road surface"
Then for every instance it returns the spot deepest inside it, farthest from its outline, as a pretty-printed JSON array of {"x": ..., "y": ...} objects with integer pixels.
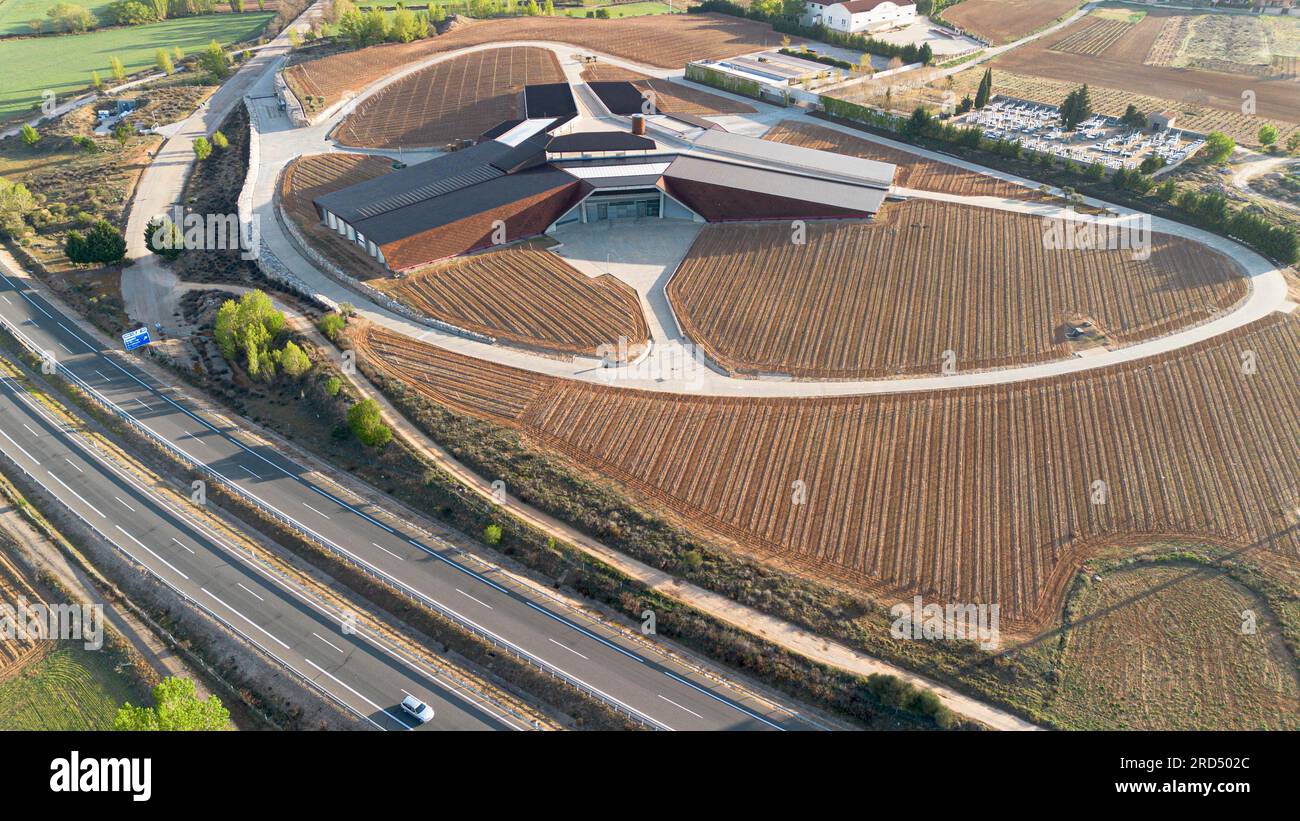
[{"x": 627, "y": 673}]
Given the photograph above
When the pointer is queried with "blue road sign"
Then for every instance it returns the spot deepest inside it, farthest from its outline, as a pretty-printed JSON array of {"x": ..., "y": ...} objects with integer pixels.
[{"x": 136, "y": 339}]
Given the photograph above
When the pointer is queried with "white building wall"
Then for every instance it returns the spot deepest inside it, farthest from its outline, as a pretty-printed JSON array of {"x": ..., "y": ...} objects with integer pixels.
[{"x": 835, "y": 16}]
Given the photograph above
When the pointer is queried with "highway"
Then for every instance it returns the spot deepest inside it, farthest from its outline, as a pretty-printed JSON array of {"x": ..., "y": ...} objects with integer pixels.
[
  {"x": 193, "y": 559},
  {"x": 629, "y": 674}
]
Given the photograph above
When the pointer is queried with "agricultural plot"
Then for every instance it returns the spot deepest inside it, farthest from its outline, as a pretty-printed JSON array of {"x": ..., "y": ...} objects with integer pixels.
[
  {"x": 1194, "y": 667},
  {"x": 529, "y": 298},
  {"x": 1125, "y": 69},
  {"x": 456, "y": 99},
  {"x": 1237, "y": 44},
  {"x": 890, "y": 297},
  {"x": 32, "y": 65},
  {"x": 914, "y": 171},
  {"x": 1004, "y": 21},
  {"x": 671, "y": 98},
  {"x": 664, "y": 41},
  {"x": 16, "y": 16},
  {"x": 307, "y": 178},
  {"x": 1197, "y": 112},
  {"x": 980, "y": 496},
  {"x": 15, "y": 588},
  {"x": 1094, "y": 37},
  {"x": 69, "y": 689}
]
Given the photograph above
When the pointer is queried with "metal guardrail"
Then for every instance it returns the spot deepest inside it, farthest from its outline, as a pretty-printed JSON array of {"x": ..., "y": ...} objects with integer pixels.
[{"x": 288, "y": 521}]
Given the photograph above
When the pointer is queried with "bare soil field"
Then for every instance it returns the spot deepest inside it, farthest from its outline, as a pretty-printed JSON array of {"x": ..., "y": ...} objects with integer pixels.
[
  {"x": 455, "y": 99},
  {"x": 1091, "y": 36},
  {"x": 527, "y": 297},
  {"x": 1197, "y": 112},
  {"x": 889, "y": 297},
  {"x": 982, "y": 496},
  {"x": 309, "y": 177},
  {"x": 15, "y": 590},
  {"x": 1194, "y": 668},
  {"x": 1003, "y": 21},
  {"x": 671, "y": 98},
  {"x": 1124, "y": 65},
  {"x": 661, "y": 40},
  {"x": 914, "y": 171}
]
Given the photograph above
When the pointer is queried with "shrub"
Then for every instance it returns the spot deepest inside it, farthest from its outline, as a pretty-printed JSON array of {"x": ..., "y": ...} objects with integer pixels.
[
  {"x": 492, "y": 534},
  {"x": 103, "y": 244},
  {"x": 367, "y": 425},
  {"x": 331, "y": 325}
]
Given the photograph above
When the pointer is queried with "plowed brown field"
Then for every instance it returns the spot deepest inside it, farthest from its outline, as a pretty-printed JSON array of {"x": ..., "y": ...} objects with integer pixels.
[
  {"x": 671, "y": 98},
  {"x": 527, "y": 297},
  {"x": 17, "y": 652},
  {"x": 869, "y": 299},
  {"x": 980, "y": 496},
  {"x": 661, "y": 40},
  {"x": 456, "y": 99},
  {"x": 316, "y": 175},
  {"x": 1002, "y": 21},
  {"x": 914, "y": 171}
]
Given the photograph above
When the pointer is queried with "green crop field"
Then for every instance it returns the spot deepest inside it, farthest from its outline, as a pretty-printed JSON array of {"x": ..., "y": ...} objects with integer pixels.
[
  {"x": 14, "y": 14},
  {"x": 63, "y": 64},
  {"x": 70, "y": 689}
]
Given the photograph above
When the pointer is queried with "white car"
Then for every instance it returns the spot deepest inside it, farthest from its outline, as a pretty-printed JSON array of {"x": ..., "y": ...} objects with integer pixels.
[{"x": 418, "y": 710}]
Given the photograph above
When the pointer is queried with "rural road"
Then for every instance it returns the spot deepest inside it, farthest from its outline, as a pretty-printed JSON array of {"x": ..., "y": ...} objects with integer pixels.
[{"x": 630, "y": 673}]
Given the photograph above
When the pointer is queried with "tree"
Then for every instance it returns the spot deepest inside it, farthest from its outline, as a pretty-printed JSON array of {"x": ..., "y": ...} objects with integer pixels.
[
  {"x": 30, "y": 135},
  {"x": 1134, "y": 118},
  {"x": 164, "y": 238},
  {"x": 202, "y": 148},
  {"x": 215, "y": 62},
  {"x": 919, "y": 123},
  {"x": 16, "y": 202},
  {"x": 492, "y": 534},
  {"x": 331, "y": 325},
  {"x": 985, "y": 89},
  {"x": 1293, "y": 142},
  {"x": 1076, "y": 108},
  {"x": 1267, "y": 134},
  {"x": 95, "y": 81},
  {"x": 219, "y": 141},
  {"x": 367, "y": 425},
  {"x": 177, "y": 708},
  {"x": 178, "y": 54},
  {"x": 237, "y": 5},
  {"x": 163, "y": 61},
  {"x": 248, "y": 328},
  {"x": 333, "y": 385},
  {"x": 103, "y": 244},
  {"x": 70, "y": 19},
  {"x": 403, "y": 29},
  {"x": 117, "y": 69},
  {"x": 1218, "y": 147},
  {"x": 293, "y": 361},
  {"x": 122, "y": 133}
]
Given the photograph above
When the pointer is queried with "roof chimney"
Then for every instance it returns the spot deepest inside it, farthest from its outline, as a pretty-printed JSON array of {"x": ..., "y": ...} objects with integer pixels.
[{"x": 638, "y": 124}]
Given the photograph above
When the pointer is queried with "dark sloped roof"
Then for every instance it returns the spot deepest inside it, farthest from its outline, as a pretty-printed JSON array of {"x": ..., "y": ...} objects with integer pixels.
[
  {"x": 485, "y": 196},
  {"x": 619, "y": 96},
  {"x": 416, "y": 183},
  {"x": 600, "y": 141},
  {"x": 548, "y": 100}
]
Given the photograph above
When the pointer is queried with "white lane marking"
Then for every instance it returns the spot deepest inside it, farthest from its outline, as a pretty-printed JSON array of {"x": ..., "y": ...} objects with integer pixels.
[
  {"x": 182, "y": 544},
  {"x": 77, "y": 336},
  {"x": 5, "y": 298},
  {"x": 313, "y": 510},
  {"x": 570, "y": 649},
  {"x": 20, "y": 447},
  {"x": 471, "y": 598},
  {"x": 389, "y": 552},
  {"x": 101, "y": 375},
  {"x": 124, "y": 504},
  {"x": 675, "y": 704},
  {"x": 32, "y": 302},
  {"x": 78, "y": 495},
  {"x": 151, "y": 553},
  {"x": 74, "y": 464},
  {"x": 192, "y": 436},
  {"x": 247, "y": 619},
  {"x": 327, "y": 641},
  {"x": 249, "y": 592},
  {"x": 143, "y": 404},
  {"x": 719, "y": 698},
  {"x": 66, "y": 348},
  {"x": 29, "y": 428},
  {"x": 358, "y": 695},
  {"x": 251, "y": 473}
]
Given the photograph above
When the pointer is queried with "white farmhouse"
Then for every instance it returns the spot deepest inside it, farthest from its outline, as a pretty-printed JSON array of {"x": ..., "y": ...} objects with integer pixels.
[{"x": 857, "y": 16}]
